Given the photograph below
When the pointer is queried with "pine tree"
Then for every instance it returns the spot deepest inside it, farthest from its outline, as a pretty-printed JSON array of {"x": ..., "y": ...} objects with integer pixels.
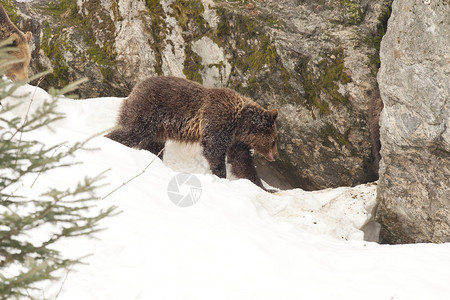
[{"x": 24, "y": 261}]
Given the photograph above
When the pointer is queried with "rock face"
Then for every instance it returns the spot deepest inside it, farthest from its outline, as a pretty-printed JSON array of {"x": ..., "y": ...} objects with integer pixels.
[
  {"x": 316, "y": 61},
  {"x": 414, "y": 187}
]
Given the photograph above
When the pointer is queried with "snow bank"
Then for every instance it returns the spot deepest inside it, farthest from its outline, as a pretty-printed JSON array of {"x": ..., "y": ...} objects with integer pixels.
[{"x": 236, "y": 242}]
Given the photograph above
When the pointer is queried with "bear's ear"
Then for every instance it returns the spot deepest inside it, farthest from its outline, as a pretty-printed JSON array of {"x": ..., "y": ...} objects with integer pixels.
[
  {"x": 28, "y": 36},
  {"x": 14, "y": 40},
  {"x": 273, "y": 113},
  {"x": 271, "y": 116}
]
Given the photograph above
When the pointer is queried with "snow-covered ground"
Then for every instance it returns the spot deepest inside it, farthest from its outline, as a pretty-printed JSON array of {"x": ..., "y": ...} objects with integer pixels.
[{"x": 235, "y": 242}]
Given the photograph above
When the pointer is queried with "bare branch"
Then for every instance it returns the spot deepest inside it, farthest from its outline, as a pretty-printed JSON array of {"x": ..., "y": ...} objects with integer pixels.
[{"x": 134, "y": 177}]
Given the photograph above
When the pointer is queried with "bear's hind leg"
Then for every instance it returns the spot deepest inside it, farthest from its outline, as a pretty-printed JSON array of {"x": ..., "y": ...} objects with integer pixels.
[
  {"x": 242, "y": 165},
  {"x": 127, "y": 138},
  {"x": 152, "y": 146}
]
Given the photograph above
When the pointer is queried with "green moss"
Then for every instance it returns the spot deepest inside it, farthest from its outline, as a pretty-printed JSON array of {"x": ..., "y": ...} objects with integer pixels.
[
  {"x": 115, "y": 9},
  {"x": 258, "y": 52},
  {"x": 257, "y": 56},
  {"x": 189, "y": 15},
  {"x": 66, "y": 9},
  {"x": 193, "y": 65},
  {"x": 332, "y": 71},
  {"x": 350, "y": 12},
  {"x": 55, "y": 40},
  {"x": 374, "y": 41},
  {"x": 310, "y": 86},
  {"x": 220, "y": 66},
  {"x": 52, "y": 43},
  {"x": 157, "y": 31},
  {"x": 246, "y": 24},
  {"x": 252, "y": 83},
  {"x": 264, "y": 55},
  {"x": 223, "y": 28},
  {"x": 329, "y": 131},
  {"x": 186, "y": 11},
  {"x": 11, "y": 10},
  {"x": 104, "y": 55},
  {"x": 252, "y": 51},
  {"x": 354, "y": 10}
]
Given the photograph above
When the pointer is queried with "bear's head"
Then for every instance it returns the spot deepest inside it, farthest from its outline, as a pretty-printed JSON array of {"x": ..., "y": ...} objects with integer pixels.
[
  {"x": 259, "y": 130},
  {"x": 19, "y": 70}
]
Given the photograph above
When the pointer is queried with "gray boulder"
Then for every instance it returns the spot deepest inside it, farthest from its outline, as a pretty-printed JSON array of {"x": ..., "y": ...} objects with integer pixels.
[{"x": 414, "y": 80}]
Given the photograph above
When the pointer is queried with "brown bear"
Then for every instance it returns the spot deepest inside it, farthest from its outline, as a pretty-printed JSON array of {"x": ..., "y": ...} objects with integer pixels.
[
  {"x": 227, "y": 124},
  {"x": 19, "y": 40}
]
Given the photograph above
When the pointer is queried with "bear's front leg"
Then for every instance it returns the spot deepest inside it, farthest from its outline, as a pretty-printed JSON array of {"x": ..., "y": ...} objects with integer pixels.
[
  {"x": 215, "y": 146},
  {"x": 242, "y": 165},
  {"x": 216, "y": 160}
]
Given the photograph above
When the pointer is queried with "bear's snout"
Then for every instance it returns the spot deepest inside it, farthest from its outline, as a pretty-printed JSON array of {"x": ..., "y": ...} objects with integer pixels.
[{"x": 273, "y": 155}]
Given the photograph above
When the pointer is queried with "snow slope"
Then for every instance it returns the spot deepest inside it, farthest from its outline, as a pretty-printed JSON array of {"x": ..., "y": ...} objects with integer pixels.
[{"x": 236, "y": 242}]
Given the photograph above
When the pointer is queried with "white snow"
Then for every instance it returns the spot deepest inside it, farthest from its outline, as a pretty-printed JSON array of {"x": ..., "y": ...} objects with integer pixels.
[{"x": 236, "y": 242}]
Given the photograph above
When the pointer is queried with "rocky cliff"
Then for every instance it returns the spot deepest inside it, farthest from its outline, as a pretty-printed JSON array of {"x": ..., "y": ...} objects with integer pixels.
[
  {"x": 414, "y": 187},
  {"x": 316, "y": 61}
]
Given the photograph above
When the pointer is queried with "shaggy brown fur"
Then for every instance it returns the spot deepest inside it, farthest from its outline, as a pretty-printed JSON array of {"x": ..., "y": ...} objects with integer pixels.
[
  {"x": 224, "y": 122},
  {"x": 19, "y": 40}
]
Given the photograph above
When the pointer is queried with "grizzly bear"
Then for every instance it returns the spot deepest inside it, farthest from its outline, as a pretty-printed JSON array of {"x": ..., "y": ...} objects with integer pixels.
[
  {"x": 227, "y": 124},
  {"x": 18, "y": 40}
]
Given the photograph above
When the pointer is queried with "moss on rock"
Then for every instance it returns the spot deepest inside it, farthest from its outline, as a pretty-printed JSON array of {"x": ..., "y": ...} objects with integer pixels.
[
  {"x": 253, "y": 52},
  {"x": 334, "y": 71},
  {"x": 55, "y": 40},
  {"x": 11, "y": 10},
  {"x": 188, "y": 12},
  {"x": 53, "y": 43},
  {"x": 330, "y": 131},
  {"x": 192, "y": 65},
  {"x": 354, "y": 10},
  {"x": 322, "y": 86},
  {"x": 158, "y": 30},
  {"x": 374, "y": 41},
  {"x": 189, "y": 15}
]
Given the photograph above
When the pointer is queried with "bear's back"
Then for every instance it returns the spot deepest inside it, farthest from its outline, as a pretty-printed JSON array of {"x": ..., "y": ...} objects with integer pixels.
[
  {"x": 168, "y": 100},
  {"x": 181, "y": 99},
  {"x": 228, "y": 101},
  {"x": 166, "y": 91}
]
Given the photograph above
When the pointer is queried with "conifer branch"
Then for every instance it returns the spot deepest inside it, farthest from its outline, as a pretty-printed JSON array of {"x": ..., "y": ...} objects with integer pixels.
[{"x": 65, "y": 213}]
